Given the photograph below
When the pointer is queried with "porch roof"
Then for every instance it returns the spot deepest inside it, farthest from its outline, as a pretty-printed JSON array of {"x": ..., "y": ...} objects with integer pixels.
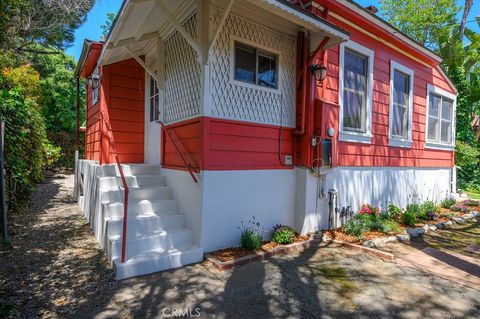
[{"x": 141, "y": 22}]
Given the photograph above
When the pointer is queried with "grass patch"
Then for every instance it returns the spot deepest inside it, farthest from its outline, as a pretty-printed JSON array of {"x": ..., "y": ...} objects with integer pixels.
[
  {"x": 473, "y": 195},
  {"x": 339, "y": 276}
]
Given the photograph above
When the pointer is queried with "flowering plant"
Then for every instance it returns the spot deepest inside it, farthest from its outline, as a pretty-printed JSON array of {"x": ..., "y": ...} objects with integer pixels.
[{"x": 366, "y": 209}]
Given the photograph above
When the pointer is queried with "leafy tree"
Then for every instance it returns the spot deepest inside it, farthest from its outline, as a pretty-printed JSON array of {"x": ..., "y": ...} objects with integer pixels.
[
  {"x": 108, "y": 24},
  {"x": 45, "y": 22},
  {"x": 423, "y": 20},
  {"x": 27, "y": 149}
]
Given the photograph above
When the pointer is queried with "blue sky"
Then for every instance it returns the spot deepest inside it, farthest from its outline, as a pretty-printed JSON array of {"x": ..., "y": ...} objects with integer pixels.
[{"x": 97, "y": 16}]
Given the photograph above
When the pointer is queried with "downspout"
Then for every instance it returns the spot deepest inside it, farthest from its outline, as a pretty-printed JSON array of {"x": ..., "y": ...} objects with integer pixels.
[{"x": 301, "y": 131}]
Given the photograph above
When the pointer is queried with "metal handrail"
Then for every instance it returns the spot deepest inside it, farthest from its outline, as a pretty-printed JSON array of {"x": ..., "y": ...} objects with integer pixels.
[
  {"x": 106, "y": 121},
  {"x": 182, "y": 152}
]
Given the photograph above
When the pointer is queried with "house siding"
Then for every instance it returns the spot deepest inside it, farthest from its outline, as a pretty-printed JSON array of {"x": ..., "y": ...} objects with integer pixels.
[
  {"x": 122, "y": 95},
  {"x": 378, "y": 153}
]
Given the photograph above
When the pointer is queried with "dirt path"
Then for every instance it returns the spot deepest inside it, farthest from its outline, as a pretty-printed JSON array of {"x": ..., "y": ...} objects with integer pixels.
[
  {"x": 57, "y": 271},
  {"x": 55, "y": 266}
]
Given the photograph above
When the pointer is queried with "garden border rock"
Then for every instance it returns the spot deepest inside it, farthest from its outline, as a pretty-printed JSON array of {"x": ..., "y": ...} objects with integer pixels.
[
  {"x": 363, "y": 249},
  {"x": 415, "y": 232},
  {"x": 262, "y": 255}
]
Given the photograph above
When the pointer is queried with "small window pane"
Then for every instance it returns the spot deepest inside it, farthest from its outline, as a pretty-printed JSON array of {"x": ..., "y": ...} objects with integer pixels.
[
  {"x": 447, "y": 107},
  {"x": 400, "y": 88},
  {"x": 355, "y": 91},
  {"x": 432, "y": 128},
  {"x": 152, "y": 109},
  {"x": 399, "y": 122},
  {"x": 355, "y": 71},
  {"x": 434, "y": 105},
  {"x": 267, "y": 70},
  {"x": 446, "y": 132},
  {"x": 156, "y": 107},
  {"x": 245, "y": 63},
  {"x": 152, "y": 86},
  {"x": 354, "y": 111}
]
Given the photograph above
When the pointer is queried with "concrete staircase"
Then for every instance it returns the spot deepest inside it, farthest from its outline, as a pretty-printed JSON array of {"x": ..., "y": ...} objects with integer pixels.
[{"x": 157, "y": 238}]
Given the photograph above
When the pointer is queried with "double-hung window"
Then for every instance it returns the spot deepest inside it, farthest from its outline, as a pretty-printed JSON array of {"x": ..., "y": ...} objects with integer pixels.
[
  {"x": 255, "y": 66},
  {"x": 440, "y": 115},
  {"x": 401, "y": 105},
  {"x": 154, "y": 99},
  {"x": 355, "y": 93}
]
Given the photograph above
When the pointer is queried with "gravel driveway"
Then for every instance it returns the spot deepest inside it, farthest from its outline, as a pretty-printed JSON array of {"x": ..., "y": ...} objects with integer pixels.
[{"x": 57, "y": 271}]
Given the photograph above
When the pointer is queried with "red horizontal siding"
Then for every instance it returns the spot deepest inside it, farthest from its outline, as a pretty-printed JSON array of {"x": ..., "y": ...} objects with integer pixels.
[
  {"x": 188, "y": 135},
  {"x": 126, "y": 86},
  {"x": 378, "y": 153}
]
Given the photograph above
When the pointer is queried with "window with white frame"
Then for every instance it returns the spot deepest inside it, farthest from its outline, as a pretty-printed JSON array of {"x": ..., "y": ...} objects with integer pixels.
[
  {"x": 440, "y": 124},
  {"x": 154, "y": 99},
  {"x": 401, "y": 104},
  {"x": 355, "y": 93},
  {"x": 255, "y": 66}
]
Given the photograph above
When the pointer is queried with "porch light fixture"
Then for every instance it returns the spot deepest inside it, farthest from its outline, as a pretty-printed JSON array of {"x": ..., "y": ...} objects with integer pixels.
[
  {"x": 319, "y": 71},
  {"x": 94, "y": 81}
]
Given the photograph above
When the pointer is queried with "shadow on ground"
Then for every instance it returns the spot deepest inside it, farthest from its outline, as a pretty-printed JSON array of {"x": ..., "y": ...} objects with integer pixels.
[{"x": 57, "y": 271}]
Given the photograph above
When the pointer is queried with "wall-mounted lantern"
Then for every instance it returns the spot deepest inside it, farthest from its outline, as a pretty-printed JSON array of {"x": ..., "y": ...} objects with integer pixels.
[
  {"x": 94, "y": 81},
  {"x": 319, "y": 71}
]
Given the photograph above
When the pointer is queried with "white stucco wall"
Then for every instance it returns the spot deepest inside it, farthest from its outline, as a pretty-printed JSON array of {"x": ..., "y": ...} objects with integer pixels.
[
  {"x": 189, "y": 196},
  {"x": 232, "y": 196},
  {"x": 372, "y": 185}
]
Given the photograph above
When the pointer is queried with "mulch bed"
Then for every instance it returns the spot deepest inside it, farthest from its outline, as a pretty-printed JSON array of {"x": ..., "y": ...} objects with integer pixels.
[{"x": 232, "y": 253}]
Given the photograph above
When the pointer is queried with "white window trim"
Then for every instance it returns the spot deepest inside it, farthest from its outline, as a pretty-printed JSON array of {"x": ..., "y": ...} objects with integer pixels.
[
  {"x": 448, "y": 95},
  {"x": 395, "y": 141},
  {"x": 349, "y": 136},
  {"x": 234, "y": 39}
]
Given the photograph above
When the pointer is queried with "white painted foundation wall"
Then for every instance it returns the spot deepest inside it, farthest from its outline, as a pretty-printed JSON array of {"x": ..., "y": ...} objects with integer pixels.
[
  {"x": 189, "y": 196},
  {"x": 215, "y": 207},
  {"x": 232, "y": 196},
  {"x": 376, "y": 186}
]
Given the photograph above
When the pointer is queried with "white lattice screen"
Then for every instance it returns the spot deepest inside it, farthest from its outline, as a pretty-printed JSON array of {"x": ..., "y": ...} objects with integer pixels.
[
  {"x": 239, "y": 102},
  {"x": 182, "y": 76}
]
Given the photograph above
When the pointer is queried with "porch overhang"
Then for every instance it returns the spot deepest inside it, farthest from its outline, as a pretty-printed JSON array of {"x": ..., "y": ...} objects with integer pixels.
[{"x": 141, "y": 23}]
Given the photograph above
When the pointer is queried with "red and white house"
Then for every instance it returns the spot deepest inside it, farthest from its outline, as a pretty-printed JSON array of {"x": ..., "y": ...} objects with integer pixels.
[{"x": 219, "y": 110}]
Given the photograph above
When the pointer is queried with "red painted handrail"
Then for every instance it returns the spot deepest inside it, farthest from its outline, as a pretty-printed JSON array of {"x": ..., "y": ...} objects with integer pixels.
[
  {"x": 180, "y": 150},
  {"x": 106, "y": 121}
]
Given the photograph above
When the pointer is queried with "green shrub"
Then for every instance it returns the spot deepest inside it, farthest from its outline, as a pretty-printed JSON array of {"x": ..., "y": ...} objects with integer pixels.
[
  {"x": 356, "y": 226},
  {"x": 429, "y": 206},
  {"x": 283, "y": 235},
  {"x": 448, "y": 202},
  {"x": 387, "y": 226},
  {"x": 250, "y": 240},
  {"x": 26, "y": 151},
  {"x": 394, "y": 212},
  {"x": 414, "y": 208},
  {"x": 468, "y": 158},
  {"x": 409, "y": 217},
  {"x": 251, "y": 234}
]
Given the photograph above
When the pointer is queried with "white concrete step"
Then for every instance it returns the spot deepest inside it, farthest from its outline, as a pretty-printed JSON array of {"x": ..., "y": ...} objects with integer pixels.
[
  {"x": 158, "y": 240},
  {"x": 129, "y": 170},
  {"x": 135, "y": 193},
  {"x": 141, "y": 207},
  {"x": 157, "y": 260},
  {"x": 133, "y": 181},
  {"x": 146, "y": 223}
]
